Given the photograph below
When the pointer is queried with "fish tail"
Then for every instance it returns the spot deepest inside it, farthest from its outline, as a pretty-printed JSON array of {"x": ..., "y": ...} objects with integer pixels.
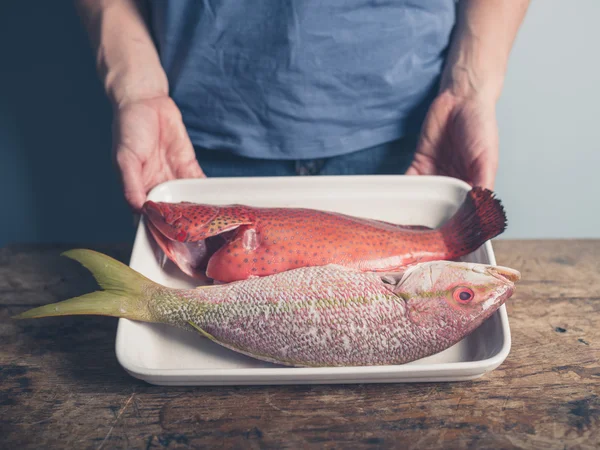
[
  {"x": 125, "y": 291},
  {"x": 480, "y": 218}
]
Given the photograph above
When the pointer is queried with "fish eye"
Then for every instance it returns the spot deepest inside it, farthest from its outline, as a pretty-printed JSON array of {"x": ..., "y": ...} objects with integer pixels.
[{"x": 463, "y": 294}]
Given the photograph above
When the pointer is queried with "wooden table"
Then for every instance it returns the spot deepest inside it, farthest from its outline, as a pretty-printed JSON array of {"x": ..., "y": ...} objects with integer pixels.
[{"x": 62, "y": 387}]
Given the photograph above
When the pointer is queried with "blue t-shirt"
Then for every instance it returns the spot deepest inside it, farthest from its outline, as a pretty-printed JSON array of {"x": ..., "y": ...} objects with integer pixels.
[{"x": 292, "y": 79}]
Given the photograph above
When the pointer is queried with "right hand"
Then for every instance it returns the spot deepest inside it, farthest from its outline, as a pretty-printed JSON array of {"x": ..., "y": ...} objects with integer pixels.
[{"x": 151, "y": 146}]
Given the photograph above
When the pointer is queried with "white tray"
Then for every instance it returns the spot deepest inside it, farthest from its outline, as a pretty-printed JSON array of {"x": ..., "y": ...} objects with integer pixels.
[{"x": 165, "y": 355}]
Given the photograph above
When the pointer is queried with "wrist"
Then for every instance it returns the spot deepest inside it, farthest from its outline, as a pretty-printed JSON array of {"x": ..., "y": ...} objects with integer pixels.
[
  {"x": 466, "y": 82},
  {"x": 471, "y": 71},
  {"x": 124, "y": 84},
  {"x": 480, "y": 47}
]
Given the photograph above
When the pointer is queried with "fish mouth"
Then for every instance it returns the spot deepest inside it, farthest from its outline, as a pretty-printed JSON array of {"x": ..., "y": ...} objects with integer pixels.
[
  {"x": 191, "y": 256},
  {"x": 505, "y": 274}
]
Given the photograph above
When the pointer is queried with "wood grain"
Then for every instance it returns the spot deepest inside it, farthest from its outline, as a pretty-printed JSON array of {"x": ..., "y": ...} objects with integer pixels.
[{"x": 61, "y": 386}]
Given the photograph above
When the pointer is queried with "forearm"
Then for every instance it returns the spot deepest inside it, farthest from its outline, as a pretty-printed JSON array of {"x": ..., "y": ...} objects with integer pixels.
[
  {"x": 482, "y": 41},
  {"x": 126, "y": 58}
]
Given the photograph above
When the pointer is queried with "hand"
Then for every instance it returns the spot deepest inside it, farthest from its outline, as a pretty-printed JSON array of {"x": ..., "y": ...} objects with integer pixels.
[
  {"x": 459, "y": 139},
  {"x": 151, "y": 146}
]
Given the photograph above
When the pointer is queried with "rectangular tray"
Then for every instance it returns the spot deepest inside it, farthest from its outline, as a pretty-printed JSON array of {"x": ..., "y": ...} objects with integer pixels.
[{"x": 164, "y": 355}]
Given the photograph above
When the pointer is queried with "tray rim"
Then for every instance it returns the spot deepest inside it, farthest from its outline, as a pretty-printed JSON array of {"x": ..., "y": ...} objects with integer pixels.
[{"x": 430, "y": 372}]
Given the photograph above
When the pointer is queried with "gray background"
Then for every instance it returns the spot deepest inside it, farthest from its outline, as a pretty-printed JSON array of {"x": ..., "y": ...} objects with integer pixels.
[
  {"x": 549, "y": 118},
  {"x": 58, "y": 185}
]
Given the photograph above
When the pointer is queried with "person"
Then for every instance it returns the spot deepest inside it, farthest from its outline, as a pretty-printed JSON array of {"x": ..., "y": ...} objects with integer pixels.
[{"x": 302, "y": 87}]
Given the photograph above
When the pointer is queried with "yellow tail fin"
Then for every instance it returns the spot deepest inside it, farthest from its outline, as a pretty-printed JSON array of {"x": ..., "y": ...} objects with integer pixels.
[{"x": 125, "y": 291}]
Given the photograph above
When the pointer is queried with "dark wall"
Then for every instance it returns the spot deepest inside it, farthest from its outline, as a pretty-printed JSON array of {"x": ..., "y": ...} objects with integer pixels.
[{"x": 57, "y": 181}]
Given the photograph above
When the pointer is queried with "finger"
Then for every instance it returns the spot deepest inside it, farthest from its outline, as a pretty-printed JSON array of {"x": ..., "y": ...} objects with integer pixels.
[
  {"x": 412, "y": 170},
  {"x": 182, "y": 156},
  {"x": 422, "y": 165},
  {"x": 190, "y": 170},
  {"x": 433, "y": 128},
  {"x": 485, "y": 176},
  {"x": 130, "y": 169},
  {"x": 424, "y": 144},
  {"x": 423, "y": 162}
]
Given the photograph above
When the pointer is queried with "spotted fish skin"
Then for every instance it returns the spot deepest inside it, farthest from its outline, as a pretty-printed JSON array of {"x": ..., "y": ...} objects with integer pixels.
[
  {"x": 265, "y": 241},
  {"x": 311, "y": 316}
]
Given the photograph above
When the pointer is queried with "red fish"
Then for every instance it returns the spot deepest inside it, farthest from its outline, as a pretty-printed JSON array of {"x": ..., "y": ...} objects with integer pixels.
[{"x": 236, "y": 242}]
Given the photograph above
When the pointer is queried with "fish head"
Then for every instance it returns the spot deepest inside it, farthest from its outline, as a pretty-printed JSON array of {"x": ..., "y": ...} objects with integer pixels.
[
  {"x": 454, "y": 298},
  {"x": 190, "y": 233}
]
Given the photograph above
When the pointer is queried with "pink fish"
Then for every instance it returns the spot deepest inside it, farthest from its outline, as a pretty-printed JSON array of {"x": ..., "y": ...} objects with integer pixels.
[{"x": 311, "y": 316}]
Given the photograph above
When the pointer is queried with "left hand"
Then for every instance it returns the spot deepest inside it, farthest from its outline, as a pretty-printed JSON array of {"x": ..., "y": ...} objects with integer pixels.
[{"x": 459, "y": 138}]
